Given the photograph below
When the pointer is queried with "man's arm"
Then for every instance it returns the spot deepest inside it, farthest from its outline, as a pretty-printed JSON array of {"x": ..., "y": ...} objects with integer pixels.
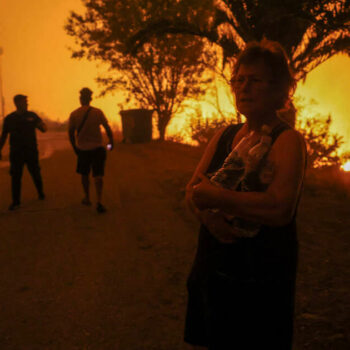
[
  {"x": 41, "y": 125},
  {"x": 3, "y": 137},
  {"x": 274, "y": 207},
  {"x": 71, "y": 135},
  {"x": 108, "y": 132}
]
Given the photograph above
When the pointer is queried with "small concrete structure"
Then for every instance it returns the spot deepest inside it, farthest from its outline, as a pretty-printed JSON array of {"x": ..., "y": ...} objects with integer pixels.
[{"x": 137, "y": 125}]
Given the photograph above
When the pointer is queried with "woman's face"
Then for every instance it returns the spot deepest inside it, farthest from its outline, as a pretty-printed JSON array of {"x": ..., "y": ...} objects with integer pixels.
[{"x": 253, "y": 89}]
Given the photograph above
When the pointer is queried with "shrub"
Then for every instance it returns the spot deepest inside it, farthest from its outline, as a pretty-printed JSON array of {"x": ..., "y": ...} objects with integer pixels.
[
  {"x": 203, "y": 129},
  {"x": 322, "y": 144}
]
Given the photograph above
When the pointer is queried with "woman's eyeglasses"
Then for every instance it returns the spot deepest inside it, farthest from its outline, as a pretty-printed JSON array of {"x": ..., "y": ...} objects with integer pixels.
[{"x": 256, "y": 82}]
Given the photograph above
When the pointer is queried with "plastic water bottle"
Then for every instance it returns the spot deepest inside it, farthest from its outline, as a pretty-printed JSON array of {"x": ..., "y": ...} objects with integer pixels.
[
  {"x": 242, "y": 166},
  {"x": 256, "y": 154},
  {"x": 232, "y": 171},
  {"x": 251, "y": 181}
]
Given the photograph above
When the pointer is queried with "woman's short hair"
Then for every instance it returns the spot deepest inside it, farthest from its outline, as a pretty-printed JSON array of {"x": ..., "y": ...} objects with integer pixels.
[{"x": 272, "y": 54}]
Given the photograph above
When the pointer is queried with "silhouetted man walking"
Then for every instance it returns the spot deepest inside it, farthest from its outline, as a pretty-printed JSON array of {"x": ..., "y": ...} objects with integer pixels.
[
  {"x": 21, "y": 126},
  {"x": 86, "y": 139}
]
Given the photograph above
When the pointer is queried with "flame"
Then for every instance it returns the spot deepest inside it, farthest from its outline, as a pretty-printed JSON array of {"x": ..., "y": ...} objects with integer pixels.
[{"x": 346, "y": 166}]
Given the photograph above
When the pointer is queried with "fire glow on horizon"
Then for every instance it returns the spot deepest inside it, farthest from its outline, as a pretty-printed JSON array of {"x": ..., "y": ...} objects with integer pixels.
[
  {"x": 346, "y": 166},
  {"x": 45, "y": 72}
]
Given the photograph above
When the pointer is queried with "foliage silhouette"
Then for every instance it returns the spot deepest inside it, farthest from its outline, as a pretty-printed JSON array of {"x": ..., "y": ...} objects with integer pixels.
[
  {"x": 160, "y": 76},
  {"x": 322, "y": 144},
  {"x": 310, "y": 31}
]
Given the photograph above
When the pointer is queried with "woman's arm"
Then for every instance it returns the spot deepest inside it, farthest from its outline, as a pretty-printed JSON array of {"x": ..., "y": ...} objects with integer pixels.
[
  {"x": 207, "y": 156},
  {"x": 274, "y": 207},
  {"x": 201, "y": 169}
]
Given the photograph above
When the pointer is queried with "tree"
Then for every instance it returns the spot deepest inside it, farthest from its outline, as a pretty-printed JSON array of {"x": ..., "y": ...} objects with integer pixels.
[
  {"x": 164, "y": 72},
  {"x": 322, "y": 144},
  {"x": 311, "y": 31}
]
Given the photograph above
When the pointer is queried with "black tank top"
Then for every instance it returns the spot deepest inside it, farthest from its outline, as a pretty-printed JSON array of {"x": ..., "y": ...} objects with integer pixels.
[
  {"x": 223, "y": 148},
  {"x": 271, "y": 254}
]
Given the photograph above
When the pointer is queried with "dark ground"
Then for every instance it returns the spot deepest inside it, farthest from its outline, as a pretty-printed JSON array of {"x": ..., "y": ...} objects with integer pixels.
[{"x": 73, "y": 279}]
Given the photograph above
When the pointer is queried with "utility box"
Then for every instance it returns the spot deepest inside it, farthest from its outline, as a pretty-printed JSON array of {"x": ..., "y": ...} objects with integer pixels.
[{"x": 137, "y": 125}]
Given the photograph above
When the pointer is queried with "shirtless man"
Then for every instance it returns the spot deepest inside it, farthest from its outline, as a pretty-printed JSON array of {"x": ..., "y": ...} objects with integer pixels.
[{"x": 86, "y": 139}]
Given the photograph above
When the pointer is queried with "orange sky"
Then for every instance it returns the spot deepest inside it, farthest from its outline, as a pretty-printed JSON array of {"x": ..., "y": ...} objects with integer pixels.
[{"x": 36, "y": 62}]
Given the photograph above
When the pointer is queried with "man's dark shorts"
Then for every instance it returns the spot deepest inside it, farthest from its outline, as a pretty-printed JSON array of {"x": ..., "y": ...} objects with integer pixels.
[{"x": 92, "y": 159}]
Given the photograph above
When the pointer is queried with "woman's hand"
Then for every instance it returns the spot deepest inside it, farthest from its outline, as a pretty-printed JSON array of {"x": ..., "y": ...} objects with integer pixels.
[
  {"x": 203, "y": 193},
  {"x": 189, "y": 200},
  {"x": 217, "y": 225}
]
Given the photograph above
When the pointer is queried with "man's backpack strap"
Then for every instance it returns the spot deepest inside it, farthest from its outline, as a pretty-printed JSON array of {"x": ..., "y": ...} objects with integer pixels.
[{"x": 84, "y": 120}]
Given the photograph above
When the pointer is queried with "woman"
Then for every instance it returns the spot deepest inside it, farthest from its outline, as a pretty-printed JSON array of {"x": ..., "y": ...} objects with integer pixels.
[{"x": 241, "y": 290}]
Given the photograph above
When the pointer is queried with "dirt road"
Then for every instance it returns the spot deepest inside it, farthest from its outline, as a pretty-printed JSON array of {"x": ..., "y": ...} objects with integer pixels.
[{"x": 73, "y": 279}]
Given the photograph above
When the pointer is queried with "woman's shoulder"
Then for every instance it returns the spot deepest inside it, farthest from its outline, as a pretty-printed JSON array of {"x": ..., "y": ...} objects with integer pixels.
[
  {"x": 218, "y": 134},
  {"x": 289, "y": 142},
  {"x": 222, "y": 137},
  {"x": 290, "y": 135},
  {"x": 228, "y": 131}
]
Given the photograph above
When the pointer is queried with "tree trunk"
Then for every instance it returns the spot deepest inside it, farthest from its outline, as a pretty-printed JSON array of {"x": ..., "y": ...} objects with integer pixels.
[
  {"x": 163, "y": 121},
  {"x": 161, "y": 129}
]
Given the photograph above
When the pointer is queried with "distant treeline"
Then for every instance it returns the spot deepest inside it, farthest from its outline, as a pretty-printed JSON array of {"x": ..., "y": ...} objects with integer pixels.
[{"x": 55, "y": 125}]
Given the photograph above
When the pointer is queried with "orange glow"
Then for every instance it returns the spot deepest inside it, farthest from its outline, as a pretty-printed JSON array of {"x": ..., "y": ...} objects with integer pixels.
[
  {"x": 36, "y": 62},
  {"x": 346, "y": 166}
]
